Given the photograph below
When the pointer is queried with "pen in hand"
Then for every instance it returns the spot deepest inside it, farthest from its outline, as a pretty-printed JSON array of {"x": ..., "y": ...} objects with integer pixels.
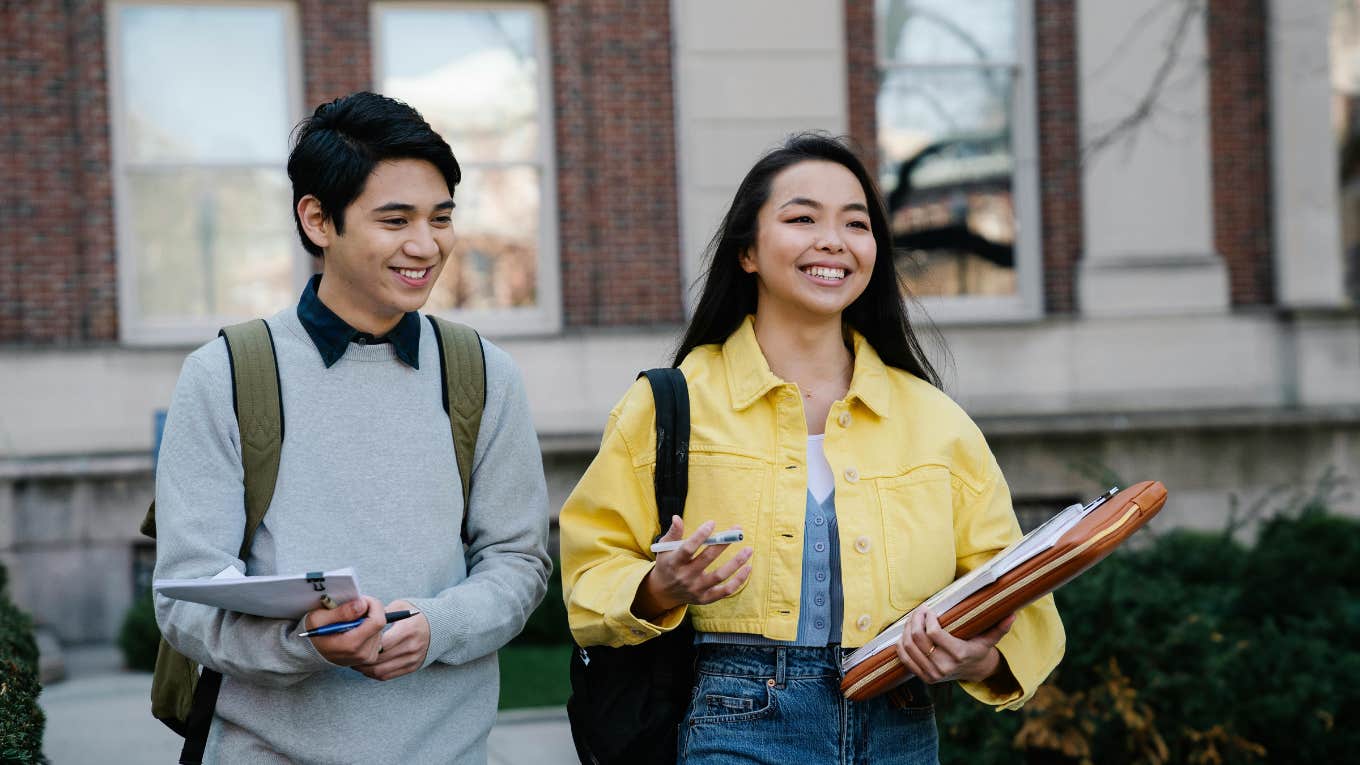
[
  {"x": 731, "y": 536},
  {"x": 337, "y": 628}
]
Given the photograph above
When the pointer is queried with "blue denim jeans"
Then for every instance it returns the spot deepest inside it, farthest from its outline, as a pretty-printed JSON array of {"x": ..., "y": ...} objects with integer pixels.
[{"x": 783, "y": 706}]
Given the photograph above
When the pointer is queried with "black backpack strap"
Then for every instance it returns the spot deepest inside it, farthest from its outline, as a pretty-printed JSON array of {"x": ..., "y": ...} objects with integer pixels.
[{"x": 671, "y": 394}]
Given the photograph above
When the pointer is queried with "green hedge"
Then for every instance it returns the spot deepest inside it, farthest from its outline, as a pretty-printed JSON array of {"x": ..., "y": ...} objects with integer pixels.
[
  {"x": 21, "y": 719},
  {"x": 1195, "y": 649},
  {"x": 140, "y": 636}
]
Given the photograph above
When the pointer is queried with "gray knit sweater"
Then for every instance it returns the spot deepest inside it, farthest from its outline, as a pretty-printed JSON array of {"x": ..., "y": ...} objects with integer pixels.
[{"x": 367, "y": 479}]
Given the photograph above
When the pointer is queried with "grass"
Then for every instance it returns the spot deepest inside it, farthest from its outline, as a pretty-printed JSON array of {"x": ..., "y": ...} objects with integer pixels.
[{"x": 535, "y": 675}]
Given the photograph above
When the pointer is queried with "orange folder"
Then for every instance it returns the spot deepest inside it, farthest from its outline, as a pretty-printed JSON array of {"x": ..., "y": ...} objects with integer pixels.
[{"x": 1087, "y": 535}]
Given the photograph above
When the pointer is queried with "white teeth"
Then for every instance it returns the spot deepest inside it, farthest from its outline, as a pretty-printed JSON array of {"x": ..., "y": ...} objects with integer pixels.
[
  {"x": 825, "y": 273},
  {"x": 411, "y": 273}
]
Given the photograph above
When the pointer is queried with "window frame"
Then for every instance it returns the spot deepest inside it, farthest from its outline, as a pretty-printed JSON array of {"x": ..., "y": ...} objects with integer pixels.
[
  {"x": 545, "y": 317},
  {"x": 1026, "y": 304},
  {"x": 133, "y": 328}
]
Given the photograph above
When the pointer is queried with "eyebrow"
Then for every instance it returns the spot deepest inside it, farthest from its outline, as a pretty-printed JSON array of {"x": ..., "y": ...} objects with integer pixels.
[
  {"x": 406, "y": 207},
  {"x": 814, "y": 204}
]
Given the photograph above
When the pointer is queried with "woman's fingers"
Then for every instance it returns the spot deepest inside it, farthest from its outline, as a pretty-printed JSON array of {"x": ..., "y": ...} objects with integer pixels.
[{"x": 727, "y": 588}]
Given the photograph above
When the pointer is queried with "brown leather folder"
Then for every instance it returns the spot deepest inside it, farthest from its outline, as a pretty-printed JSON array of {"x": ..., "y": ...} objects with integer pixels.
[{"x": 1092, "y": 538}]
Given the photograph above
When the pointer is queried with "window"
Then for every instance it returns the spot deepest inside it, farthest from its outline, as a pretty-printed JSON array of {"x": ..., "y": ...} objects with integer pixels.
[
  {"x": 957, "y": 155},
  {"x": 479, "y": 72},
  {"x": 203, "y": 100}
]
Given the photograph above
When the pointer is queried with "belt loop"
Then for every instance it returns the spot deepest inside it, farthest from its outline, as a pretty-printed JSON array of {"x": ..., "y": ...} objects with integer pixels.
[{"x": 780, "y": 653}]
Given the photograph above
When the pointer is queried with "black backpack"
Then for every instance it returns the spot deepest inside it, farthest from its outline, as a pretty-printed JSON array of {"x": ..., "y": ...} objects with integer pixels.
[{"x": 627, "y": 703}]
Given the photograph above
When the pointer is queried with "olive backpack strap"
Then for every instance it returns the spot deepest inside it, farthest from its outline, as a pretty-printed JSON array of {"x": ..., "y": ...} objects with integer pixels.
[
  {"x": 257, "y": 399},
  {"x": 462, "y": 366}
]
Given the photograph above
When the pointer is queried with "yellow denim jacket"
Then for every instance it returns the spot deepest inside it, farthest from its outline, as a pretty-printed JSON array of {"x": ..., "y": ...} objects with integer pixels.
[{"x": 919, "y": 501}]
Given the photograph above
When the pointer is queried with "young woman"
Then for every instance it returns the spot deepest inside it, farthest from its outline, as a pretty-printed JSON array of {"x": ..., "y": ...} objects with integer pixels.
[{"x": 817, "y": 428}]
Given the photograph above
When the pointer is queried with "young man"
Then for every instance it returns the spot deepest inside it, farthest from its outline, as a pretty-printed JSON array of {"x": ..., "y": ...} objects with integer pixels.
[{"x": 367, "y": 478}]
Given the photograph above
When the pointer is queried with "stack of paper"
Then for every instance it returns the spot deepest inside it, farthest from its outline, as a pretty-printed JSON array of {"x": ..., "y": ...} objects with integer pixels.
[
  {"x": 277, "y": 597},
  {"x": 1033, "y": 543}
]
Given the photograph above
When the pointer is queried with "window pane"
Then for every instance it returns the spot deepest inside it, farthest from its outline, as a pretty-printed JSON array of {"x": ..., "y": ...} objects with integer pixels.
[
  {"x": 945, "y": 145},
  {"x": 216, "y": 242},
  {"x": 495, "y": 260},
  {"x": 472, "y": 73},
  {"x": 946, "y": 31},
  {"x": 203, "y": 83}
]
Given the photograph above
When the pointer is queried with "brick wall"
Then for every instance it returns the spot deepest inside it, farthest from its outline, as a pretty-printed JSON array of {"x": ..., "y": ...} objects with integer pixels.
[
  {"x": 1240, "y": 146},
  {"x": 861, "y": 69},
  {"x": 619, "y": 230},
  {"x": 57, "y": 278},
  {"x": 336, "y": 54},
  {"x": 1056, "y": 80},
  {"x": 619, "y": 227}
]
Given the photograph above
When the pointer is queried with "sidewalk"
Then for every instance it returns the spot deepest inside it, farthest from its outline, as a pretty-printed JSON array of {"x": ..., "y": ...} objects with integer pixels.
[{"x": 103, "y": 714}]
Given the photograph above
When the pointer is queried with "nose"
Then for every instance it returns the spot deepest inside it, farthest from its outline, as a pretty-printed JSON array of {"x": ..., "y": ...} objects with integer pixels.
[
  {"x": 830, "y": 241},
  {"x": 422, "y": 243}
]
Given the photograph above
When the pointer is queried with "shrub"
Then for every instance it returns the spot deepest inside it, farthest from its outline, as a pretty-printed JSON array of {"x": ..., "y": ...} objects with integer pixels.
[
  {"x": 21, "y": 719},
  {"x": 1196, "y": 649},
  {"x": 140, "y": 636}
]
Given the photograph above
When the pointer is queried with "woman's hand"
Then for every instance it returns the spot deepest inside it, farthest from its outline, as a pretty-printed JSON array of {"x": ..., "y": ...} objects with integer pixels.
[
  {"x": 680, "y": 577},
  {"x": 935, "y": 656}
]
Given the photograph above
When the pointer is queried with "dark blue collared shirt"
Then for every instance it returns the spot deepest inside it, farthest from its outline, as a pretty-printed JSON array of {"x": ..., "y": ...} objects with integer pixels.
[{"x": 332, "y": 334}]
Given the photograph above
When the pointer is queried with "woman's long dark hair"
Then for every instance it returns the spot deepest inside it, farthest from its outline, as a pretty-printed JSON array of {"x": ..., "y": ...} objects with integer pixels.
[{"x": 730, "y": 293}]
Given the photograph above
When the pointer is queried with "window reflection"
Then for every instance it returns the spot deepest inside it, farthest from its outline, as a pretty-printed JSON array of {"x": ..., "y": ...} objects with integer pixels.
[
  {"x": 475, "y": 75},
  {"x": 945, "y": 107},
  {"x": 203, "y": 123}
]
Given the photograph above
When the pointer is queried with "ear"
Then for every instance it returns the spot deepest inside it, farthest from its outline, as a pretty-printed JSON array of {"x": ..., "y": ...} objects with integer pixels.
[
  {"x": 315, "y": 224},
  {"x": 747, "y": 259}
]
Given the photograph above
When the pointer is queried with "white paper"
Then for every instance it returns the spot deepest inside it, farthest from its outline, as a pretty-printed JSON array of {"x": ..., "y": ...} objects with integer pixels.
[{"x": 277, "y": 597}]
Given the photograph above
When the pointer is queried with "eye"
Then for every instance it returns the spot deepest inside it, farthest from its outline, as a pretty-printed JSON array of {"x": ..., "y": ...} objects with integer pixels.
[
  {"x": 860, "y": 225},
  {"x": 801, "y": 219},
  {"x": 443, "y": 220},
  {"x": 393, "y": 221}
]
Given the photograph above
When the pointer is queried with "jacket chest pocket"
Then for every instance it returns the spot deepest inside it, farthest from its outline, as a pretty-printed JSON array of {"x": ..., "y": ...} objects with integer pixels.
[
  {"x": 727, "y": 491},
  {"x": 918, "y": 532}
]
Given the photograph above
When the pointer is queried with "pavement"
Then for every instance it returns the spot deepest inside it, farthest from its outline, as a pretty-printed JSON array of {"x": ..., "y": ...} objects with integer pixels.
[{"x": 101, "y": 713}]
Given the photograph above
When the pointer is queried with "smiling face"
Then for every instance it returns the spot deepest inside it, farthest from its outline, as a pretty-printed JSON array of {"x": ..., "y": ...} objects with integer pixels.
[
  {"x": 398, "y": 235},
  {"x": 814, "y": 250}
]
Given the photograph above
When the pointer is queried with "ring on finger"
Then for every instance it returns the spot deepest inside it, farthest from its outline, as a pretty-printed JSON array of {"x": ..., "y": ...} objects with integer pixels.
[{"x": 931, "y": 651}]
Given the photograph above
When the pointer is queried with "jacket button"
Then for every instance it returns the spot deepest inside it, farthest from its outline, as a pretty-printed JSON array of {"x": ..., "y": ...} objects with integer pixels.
[
  {"x": 862, "y": 622},
  {"x": 863, "y": 545},
  {"x": 851, "y": 474},
  {"x": 844, "y": 420}
]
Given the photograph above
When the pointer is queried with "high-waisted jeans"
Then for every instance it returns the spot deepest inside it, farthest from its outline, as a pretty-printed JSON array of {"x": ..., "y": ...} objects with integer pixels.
[{"x": 783, "y": 706}]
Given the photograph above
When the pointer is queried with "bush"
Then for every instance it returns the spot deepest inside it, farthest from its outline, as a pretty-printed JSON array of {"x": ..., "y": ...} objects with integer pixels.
[
  {"x": 21, "y": 719},
  {"x": 1196, "y": 649},
  {"x": 140, "y": 636}
]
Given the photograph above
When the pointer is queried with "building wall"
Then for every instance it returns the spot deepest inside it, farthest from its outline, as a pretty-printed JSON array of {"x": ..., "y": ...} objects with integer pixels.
[{"x": 1236, "y": 377}]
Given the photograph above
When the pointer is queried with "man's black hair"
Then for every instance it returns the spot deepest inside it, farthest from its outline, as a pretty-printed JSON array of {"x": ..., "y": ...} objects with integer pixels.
[{"x": 336, "y": 149}]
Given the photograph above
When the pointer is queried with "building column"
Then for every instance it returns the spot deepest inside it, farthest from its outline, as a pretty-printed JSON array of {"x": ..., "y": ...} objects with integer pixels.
[
  {"x": 1147, "y": 177},
  {"x": 1308, "y": 263}
]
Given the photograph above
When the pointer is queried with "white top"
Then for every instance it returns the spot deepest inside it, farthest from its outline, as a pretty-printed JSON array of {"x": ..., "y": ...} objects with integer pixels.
[{"x": 821, "y": 481}]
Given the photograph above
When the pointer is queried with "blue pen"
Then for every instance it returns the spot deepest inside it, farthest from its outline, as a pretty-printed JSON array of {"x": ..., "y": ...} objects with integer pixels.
[{"x": 336, "y": 628}]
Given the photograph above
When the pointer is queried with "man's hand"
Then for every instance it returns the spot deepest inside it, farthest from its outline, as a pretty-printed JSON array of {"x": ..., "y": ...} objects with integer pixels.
[
  {"x": 357, "y": 646},
  {"x": 403, "y": 646},
  {"x": 680, "y": 576},
  {"x": 928, "y": 651}
]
